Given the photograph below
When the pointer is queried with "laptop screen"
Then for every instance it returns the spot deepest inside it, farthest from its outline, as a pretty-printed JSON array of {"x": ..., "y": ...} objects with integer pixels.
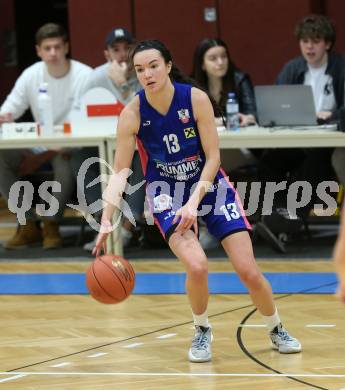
[{"x": 285, "y": 105}]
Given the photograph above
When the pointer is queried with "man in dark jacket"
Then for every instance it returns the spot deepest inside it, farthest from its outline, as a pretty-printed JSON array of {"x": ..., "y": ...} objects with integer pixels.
[
  {"x": 324, "y": 71},
  {"x": 318, "y": 66}
]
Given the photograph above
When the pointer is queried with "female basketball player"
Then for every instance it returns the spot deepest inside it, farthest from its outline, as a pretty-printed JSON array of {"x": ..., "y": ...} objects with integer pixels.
[{"x": 174, "y": 126}]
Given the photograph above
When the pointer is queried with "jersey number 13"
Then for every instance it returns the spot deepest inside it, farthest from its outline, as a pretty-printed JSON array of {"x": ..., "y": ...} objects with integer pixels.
[
  {"x": 171, "y": 142},
  {"x": 230, "y": 211}
]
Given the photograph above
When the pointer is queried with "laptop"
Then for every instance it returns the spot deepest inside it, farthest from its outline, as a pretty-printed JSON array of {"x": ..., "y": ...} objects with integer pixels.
[{"x": 285, "y": 105}]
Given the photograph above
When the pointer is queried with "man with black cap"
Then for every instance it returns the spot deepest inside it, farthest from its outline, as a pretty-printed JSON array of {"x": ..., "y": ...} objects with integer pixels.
[{"x": 116, "y": 77}]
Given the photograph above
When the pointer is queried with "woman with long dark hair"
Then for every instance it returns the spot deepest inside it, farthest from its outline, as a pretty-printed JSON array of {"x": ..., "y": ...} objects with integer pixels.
[
  {"x": 214, "y": 70},
  {"x": 173, "y": 124}
]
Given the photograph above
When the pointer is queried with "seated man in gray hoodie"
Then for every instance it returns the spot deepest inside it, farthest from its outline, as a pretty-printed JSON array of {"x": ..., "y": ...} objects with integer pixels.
[{"x": 116, "y": 77}]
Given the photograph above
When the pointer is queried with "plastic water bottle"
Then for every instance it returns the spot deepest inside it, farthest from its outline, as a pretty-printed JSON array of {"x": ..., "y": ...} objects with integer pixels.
[
  {"x": 45, "y": 111},
  {"x": 232, "y": 118}
]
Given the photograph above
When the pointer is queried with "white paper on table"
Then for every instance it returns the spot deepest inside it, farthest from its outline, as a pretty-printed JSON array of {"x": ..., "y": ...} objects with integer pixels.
[
  {"x": 82, "y": 124},
  {"x": 19, "y": 130}
]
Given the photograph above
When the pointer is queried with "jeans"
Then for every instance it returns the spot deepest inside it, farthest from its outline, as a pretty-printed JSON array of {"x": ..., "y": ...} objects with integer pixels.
[
  {"x": 10, "y": 161},
  {"x": 94, "y": 192}
]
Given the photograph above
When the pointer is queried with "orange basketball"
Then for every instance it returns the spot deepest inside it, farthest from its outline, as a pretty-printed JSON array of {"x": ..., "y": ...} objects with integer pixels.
[{"x": 110, "y": 279}]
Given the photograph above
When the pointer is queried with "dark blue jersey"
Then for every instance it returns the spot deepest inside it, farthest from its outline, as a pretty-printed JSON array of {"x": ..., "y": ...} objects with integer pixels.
[
  {"x": 169, "y": 145},
  {"x": 171, "y": 152}
]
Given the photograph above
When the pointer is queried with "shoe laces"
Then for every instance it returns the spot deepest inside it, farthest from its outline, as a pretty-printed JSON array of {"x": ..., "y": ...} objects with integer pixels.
[
  {"x": 282, "y": 333},
  {"x": 200, "y": 340}
]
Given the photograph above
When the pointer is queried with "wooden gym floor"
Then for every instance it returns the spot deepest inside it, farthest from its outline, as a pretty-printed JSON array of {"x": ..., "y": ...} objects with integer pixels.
[
  {"x": 74, "y": 342},
  {"x": 70, "y": 341}
]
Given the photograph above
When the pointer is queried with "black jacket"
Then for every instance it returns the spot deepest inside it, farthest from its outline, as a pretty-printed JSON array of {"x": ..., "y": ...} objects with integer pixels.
[
  {"x": 294, "y": 71},
  {"x": 245, "y": 93}
]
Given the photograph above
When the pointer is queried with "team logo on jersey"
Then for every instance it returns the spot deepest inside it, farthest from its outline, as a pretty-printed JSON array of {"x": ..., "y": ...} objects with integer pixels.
[
  {"x": 183, "y": 115},
  {"x": 189, "y": 132},
  {"x": 147, "y": 123},
  {"x": 162, "y": 202}
]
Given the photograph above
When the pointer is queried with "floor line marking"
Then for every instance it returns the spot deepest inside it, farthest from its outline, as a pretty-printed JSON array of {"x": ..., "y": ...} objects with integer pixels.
[
  {"x": 252, "y": 326},
  {"x": 60, "y": 364},
  {"x": 134, "y": 345},
  {"x": 166, "y": 336},
  {"x": 222, "y": 313},
  {"x": 11, "y": 378},
  {"x": 320, "y": 325},
  {"x": 95, "y": 355},
  {"x": 180, "y": 374}
]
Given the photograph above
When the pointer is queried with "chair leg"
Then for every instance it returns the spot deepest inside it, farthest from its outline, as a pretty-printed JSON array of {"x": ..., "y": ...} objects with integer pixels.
[
  {"x": 81, "y": 234},
  {"x": 265, "y": 232}
]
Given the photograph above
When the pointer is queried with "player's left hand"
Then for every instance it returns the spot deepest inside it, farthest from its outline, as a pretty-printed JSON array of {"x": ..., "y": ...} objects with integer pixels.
[{"x": 186, "y": 217}]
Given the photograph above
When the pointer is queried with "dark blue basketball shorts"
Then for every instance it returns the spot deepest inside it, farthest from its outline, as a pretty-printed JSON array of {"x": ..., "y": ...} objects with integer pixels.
[{"x": 221, "y": 208}]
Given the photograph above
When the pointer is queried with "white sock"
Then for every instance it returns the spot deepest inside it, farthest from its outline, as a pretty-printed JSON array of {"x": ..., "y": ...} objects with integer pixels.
[
  {"x": 201, "y": 319},
  {"x": 272, "y": 321}
]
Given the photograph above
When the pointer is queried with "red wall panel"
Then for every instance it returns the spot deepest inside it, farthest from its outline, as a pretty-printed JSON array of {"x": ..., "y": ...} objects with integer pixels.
[
  {"x": 335, "y": 9},
  {"x": 9, "y": 72},
  {"x": 179, "y": 24},
  {"x": 260, "y": 34},
  {"x": 90, "y": 21}
]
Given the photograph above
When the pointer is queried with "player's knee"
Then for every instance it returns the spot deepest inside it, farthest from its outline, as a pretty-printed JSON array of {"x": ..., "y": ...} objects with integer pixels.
[
  {"x": 252, "y": 278},
  {"x": 198, "y": 270}
]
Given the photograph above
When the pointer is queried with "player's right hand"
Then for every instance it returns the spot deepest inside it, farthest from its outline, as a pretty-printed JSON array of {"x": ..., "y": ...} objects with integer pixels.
[{"x": 101, "y": 242}]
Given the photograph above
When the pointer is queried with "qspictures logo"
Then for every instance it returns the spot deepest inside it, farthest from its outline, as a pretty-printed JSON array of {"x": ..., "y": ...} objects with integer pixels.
[{"x": 297, "y": 194}]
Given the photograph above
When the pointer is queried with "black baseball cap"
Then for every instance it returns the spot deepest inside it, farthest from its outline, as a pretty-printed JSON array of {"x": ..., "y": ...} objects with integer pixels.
[{"x": 118, "y": 34}]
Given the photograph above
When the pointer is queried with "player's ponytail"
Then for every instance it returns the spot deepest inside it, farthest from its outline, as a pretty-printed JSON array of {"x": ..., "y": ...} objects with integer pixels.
[{"x": 175, "y": 73}]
